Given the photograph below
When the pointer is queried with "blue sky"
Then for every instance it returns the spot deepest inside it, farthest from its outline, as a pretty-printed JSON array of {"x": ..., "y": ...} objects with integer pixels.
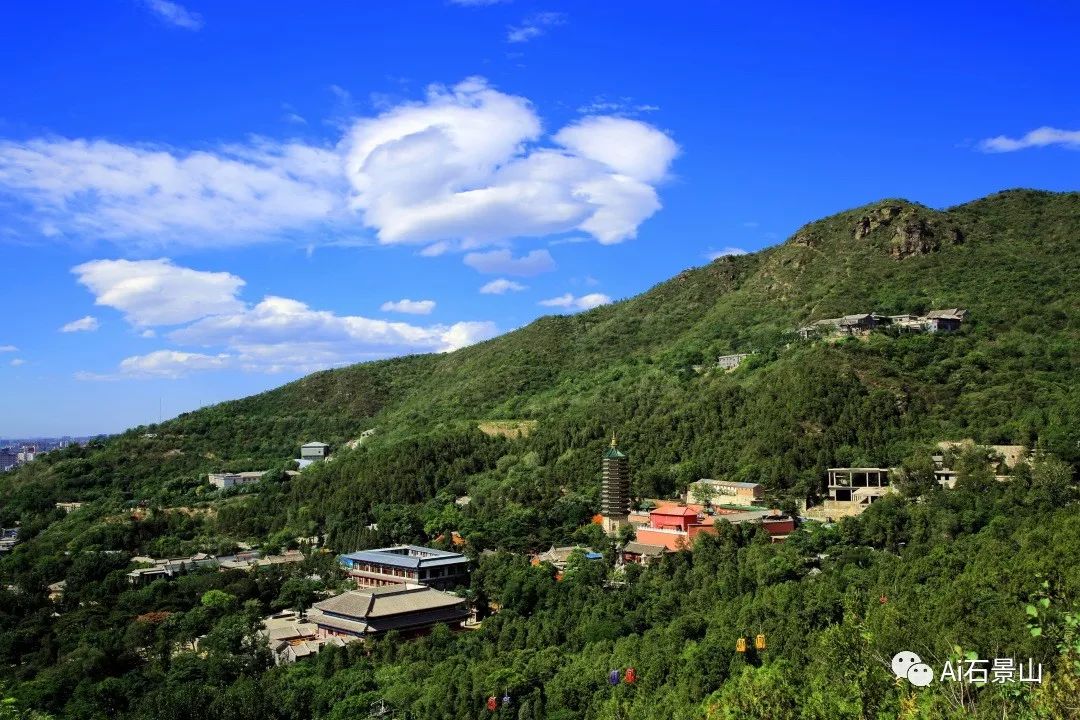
[{"x": 203, "y": 200}]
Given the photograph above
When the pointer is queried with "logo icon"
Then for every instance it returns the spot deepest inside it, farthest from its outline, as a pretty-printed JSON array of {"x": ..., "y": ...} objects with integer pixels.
[
  {"x": 920, "y": 675},
  {"x": 902, "y": 661},
  {"x": 909, "y": 666}
]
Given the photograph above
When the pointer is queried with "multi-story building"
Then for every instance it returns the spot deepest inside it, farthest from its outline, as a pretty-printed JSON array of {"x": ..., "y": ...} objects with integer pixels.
[
  {"x": 406, "y": 564},
  {"x": 858, "y": 485}
]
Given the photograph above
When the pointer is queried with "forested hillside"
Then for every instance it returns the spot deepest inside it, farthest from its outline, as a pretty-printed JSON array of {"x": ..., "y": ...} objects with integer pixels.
[{"x": 945, "y": 572}]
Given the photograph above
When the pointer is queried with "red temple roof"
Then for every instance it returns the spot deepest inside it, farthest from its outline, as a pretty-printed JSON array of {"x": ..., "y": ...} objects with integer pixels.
[{"x": 675, "y": 511}]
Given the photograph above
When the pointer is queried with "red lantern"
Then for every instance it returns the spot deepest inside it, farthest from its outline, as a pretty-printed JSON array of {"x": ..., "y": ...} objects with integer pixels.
[
  {"x": 630, "y": 676},
  {"x": 883, "y": 599},
  {"x": 492, "y": 704}
]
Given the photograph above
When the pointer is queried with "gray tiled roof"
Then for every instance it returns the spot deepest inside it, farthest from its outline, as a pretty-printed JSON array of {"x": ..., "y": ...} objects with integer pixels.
[
  {"x": 353, "y": 626},
  {"x": 381, "y": 602},
  {"x": 389, "y": 608},
  {"x": 644, "y": 549},
  {"x": 950, "y": 313}
]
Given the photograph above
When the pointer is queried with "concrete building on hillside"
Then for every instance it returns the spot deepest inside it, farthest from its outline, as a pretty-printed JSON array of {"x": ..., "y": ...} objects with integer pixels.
[
  {"x": 1000, "y": 460},
  {"x": 730, "y": 362},
  {"x": 409, "y": 609},
  {"x": 9, "y": 538},
  {"x": 850, "y": 490},
  {"x": 614, "y": 489},
  {"x": 861, "y": 486},
  {"x": 947, "y": 320},
  {"x": 406, "y": 564},
  {"x": 721, "y": 492},
  {"x": 312, "y": 452},
  {"x": 224, "y": 481},
  {"x": 944, "y": 320},
  {"x": 847, "y": 325},
  {"x": 155, "y": 569}
]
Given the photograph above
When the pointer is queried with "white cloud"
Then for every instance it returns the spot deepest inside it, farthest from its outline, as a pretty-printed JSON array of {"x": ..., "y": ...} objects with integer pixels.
[
  {"x": 628, "y": 147},
  {"x": 622, "y": 107},
  {"x": 340, "y": 93},
  {"x": 411, "y": 307},
  {"x": 291, "y": 116},
  {"x": 273, "y": 335},
  {"x": 1040, "y": 137},
  {"x": 534, "y": 26},
  {"x": 148, "y": 333},
  {"x": 175, "y": 14},
  {"x": 8, "y": 349},
  {"x": 171, "y": 364},
  {"x": 281, "y": 333},
  {"x": 151, "y": 195},
  {"x": 157, "y": 292},
  {"x": 463, "y": 334},
  {"x": 504, "y": 262},
  {"x": 464, "y": 166},
  {"x": 16, "y": 362},
  {"x": 501, "y": 287},
  {"x": 724, "y": 252},
  {"x": 83, "y": 324},
  {"x": 584, "y": 302}
]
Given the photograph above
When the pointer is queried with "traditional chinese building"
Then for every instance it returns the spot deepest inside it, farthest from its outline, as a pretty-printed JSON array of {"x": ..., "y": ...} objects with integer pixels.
[
  {"x": 614, "y": 489},
  {"x": 409, "y": 609}
]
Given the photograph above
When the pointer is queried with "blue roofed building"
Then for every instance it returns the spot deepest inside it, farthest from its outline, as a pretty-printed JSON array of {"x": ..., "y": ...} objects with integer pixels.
[{"x": 402, "y": 564}]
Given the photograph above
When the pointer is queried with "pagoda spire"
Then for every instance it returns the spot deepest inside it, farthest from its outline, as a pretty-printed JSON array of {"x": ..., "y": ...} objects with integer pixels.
[{"x": 614, "y": 488}]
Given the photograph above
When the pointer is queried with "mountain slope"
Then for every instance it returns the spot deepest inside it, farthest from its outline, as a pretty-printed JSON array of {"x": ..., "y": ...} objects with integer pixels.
[{"x": 1008, "y": 376}]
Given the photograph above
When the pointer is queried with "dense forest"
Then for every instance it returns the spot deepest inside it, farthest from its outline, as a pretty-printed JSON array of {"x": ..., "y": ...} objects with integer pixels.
[{"x": 986, "y": 570}]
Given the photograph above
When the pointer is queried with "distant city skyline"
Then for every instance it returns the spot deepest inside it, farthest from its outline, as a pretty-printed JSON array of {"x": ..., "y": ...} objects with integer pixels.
[{"x": 214, "y": 206}]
